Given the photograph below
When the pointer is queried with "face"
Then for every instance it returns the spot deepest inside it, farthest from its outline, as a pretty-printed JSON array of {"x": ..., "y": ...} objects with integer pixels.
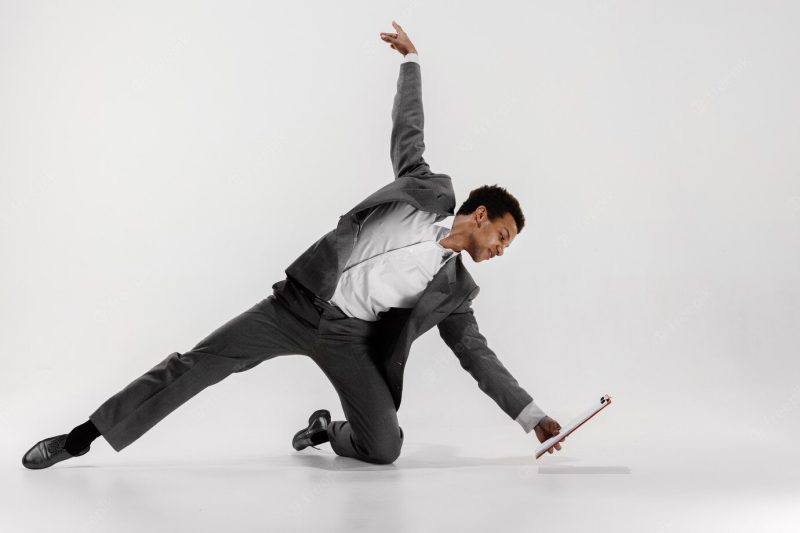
[{"x": 491, "y": 237}]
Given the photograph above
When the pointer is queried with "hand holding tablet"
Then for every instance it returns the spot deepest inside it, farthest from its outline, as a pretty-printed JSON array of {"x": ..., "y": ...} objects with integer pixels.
[{"x": 550, "y": 433}]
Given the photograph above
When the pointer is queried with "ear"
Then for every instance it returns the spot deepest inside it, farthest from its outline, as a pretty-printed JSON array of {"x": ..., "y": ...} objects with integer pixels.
[{"x": 481, "y": 215}]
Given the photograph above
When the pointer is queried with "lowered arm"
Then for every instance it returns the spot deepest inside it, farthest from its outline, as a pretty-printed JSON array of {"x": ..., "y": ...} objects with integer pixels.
[{"x": 459, "y": 330}]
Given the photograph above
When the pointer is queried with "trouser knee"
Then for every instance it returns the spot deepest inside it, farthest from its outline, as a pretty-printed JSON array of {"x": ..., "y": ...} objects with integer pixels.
[{"x": 387, "y": 450}]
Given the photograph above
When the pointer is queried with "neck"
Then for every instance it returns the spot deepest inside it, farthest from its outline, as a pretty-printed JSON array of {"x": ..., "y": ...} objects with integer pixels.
[{"x": 458, "y": 238}]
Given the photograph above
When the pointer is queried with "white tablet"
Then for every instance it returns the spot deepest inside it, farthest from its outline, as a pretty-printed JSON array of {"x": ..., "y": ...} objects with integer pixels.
[{"x": 573, "y": 425}]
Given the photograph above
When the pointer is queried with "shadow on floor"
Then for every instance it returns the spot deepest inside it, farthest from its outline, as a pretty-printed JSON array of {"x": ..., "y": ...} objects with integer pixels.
[{"x": 428, "y": 456}]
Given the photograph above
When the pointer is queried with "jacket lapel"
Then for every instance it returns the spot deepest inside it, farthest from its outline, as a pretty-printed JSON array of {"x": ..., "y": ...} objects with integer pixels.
[{"x": 437, "y": 291}]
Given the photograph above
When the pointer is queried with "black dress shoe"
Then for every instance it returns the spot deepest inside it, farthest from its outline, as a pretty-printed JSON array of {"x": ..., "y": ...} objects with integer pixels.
[
  {"x": 315, "y": 433},
  {"x": 48, "y": 452}
]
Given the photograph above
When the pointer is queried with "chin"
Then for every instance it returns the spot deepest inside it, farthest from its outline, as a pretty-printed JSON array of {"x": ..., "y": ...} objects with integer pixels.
[{"x": 479, "y": 258}]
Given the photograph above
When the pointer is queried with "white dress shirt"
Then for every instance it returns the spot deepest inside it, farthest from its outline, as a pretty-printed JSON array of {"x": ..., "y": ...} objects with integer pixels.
[{"x": 396, "y": 255}]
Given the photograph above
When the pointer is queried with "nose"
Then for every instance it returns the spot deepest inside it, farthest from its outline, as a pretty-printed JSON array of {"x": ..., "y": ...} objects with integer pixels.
[{"x": 499, "y": 251}]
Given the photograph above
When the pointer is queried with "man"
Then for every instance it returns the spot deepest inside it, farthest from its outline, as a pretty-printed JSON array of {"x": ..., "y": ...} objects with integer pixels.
[{"x": 353, "y": 302}]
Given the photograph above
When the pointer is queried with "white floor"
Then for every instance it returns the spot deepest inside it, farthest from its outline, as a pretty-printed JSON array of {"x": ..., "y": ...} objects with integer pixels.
[{"x": 443, "y": 481}]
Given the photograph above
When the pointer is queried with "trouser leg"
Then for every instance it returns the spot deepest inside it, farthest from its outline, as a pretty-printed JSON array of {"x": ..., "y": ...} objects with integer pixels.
[
  {"x": 371, "y": 432},
  {"x": 264, "y": 331}
]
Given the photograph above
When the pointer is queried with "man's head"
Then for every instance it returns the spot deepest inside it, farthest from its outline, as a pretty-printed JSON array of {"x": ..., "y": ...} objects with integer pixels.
[{"x": 486, "y": 222}]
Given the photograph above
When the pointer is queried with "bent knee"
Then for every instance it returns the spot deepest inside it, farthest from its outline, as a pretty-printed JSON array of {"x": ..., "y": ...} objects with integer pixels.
[
  {"x": 388, "y": 451},
  {"x": 384, "y": 456}
]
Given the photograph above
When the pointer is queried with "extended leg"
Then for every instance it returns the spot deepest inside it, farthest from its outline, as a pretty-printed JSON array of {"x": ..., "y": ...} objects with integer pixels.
[{"x": 264, "y": 331}]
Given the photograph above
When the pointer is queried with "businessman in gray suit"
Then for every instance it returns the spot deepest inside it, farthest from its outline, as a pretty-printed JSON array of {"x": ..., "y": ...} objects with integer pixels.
[{"x": 353, "y": 302}]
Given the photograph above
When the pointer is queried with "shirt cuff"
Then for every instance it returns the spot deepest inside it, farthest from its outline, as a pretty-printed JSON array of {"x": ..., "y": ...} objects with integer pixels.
[
  {"x": 411, "y": 57},
  {"x": 530, "y": 415}
]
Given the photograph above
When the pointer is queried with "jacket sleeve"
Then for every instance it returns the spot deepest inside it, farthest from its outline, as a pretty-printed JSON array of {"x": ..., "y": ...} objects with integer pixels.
[
  {"x": 459, "y": 330},
  {"x": 408, "y": 121}
]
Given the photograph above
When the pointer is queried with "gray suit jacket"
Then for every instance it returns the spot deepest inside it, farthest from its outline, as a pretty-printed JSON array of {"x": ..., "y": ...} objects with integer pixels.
[{"x": 446, "y": 302}]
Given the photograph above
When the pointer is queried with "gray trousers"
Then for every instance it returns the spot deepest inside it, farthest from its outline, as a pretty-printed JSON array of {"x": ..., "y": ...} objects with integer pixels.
[{"x": 291, "y": 321}]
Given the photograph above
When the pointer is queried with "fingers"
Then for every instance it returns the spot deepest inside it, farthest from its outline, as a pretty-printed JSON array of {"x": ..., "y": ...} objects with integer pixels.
[
  {"x": 397, "y": 27},
  {"x": 557, "y": 445},
  {"x": 552, "y": 426},
  {"x": 547, "y": 429},
  {"x": 389, "y": 38}
]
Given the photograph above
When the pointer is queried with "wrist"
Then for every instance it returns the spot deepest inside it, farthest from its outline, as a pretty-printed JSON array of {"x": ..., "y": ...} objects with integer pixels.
[{"x": 530, "y": 417}]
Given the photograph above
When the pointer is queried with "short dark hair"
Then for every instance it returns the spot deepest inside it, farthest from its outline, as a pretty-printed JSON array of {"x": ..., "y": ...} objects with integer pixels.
[{"x": 497, "y": 201}]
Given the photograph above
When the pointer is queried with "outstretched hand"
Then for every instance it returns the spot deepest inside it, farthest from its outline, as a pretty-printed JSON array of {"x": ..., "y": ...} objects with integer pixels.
[
  {"x": 399, "y": 41},
  {"x": 546, "y": 428}
]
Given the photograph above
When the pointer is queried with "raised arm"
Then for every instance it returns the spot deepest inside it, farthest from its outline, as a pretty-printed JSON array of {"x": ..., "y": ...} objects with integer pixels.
[{"x": 408, "y": 121}]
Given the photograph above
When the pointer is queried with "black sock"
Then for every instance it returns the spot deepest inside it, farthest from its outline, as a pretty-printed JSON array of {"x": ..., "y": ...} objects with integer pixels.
[
  {"x": 81, "y": 437},
  {"x": 319, "y": 437}
]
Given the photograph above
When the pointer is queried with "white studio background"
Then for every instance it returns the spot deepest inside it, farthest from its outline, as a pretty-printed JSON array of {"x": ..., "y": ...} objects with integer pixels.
[{"x": 163, "y": 163}]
